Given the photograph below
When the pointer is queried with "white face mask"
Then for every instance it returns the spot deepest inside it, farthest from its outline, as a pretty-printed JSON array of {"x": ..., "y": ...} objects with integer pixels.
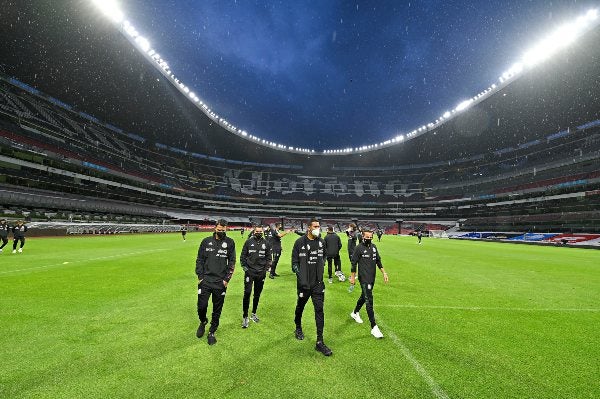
[{"x": 315, "y": 232}]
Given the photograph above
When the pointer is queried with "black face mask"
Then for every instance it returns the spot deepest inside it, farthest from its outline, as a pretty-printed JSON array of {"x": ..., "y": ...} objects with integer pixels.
[
  {"x": 258, "y": 236},
  {"x": 367, "y": 241},
  {"x": 221, "y": 234}
]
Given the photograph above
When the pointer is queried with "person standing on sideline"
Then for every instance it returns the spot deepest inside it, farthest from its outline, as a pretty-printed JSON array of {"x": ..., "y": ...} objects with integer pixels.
[
  {"x": 379, "y": 234},
  {"x": 275, "y": 240},
  {"x": 353, "y": 235},
  {"x": 183, "y": 231},
  {"x": 419, "y": 236},
  {"x": 308, "y": 263},
  {"x": 256, "y": 261},
  {"x": 4, "y": 229},
  {"x": 333, "y": 245},
  {"x": 214, "y": 267},
  {"x": 366, "y": 258},
  {"x": 19, "y": 231}
]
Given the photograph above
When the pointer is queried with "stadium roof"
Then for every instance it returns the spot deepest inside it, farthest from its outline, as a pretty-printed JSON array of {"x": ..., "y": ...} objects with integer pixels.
[{"x": 87, "y": 63}]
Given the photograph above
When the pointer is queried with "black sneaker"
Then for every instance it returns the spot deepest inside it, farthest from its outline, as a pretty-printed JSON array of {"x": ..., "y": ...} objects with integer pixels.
[
  {"x": 271, "y": 276},
  {"x": 321, "y": 347},
  {"x": 211, "y": 338},
  {"x": 275, "y": 275},
  {"x": 201, "y": 327},
  {"x": 299, "y": 334}
]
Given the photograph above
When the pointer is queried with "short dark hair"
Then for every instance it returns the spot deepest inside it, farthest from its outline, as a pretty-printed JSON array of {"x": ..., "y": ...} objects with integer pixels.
[
  {"x": 367, "y": 231},
  {"x": 314, "y": 219},
  {"x": 221, "y": 222},
  {"x": 329, "y": 228}
]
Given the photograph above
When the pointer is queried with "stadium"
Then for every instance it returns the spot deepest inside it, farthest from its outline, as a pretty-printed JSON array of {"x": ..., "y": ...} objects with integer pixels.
[{"x": 101, "y": 302}]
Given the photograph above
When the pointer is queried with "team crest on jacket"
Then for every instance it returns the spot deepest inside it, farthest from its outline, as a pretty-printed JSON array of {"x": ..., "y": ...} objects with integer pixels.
[
  {"x": 224, "y": 245},
  {"x": 320, "y": 244},
  {"x": 264, "y": 246}
]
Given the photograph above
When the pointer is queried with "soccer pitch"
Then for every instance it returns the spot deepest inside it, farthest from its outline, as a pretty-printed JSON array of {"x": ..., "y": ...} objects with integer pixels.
[{"x": 115, "y": 316}]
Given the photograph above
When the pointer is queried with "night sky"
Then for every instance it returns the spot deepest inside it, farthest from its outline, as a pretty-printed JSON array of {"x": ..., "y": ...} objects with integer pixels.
[{"x": 331, "y": 74}]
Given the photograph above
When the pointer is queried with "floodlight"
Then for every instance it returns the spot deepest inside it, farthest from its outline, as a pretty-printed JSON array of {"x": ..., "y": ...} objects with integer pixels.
[
  {"x": 591, "y": 15},
  {"x": 111, "y": 9},
  {"x": 143, "y": 43}
]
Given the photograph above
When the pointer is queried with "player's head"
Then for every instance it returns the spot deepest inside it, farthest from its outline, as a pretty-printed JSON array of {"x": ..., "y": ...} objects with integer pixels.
[
  {"x": 367, "y": 236},
  {"x": 330, "y": 229},
  {"x": 258, "y": 231},
  {"x": 221, "y": 228},
  {"x": 314, "y": 227},
  {"x": 3, "y": 221},
  {"x": 352, "y": 226},
  {"x": 19, "y": 222}
]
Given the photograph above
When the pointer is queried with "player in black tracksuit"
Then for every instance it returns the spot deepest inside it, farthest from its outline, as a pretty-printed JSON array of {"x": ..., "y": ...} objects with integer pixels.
[
  {"x": 333, "y": 244},
  {"x": 275, "y": 240},
  {"x": 183, "y": 232},
  {"x": 19, "y": 231},
  {"x": 256, "y": 261},
  {"x": 4, "y": 229},
  {"x": 366, "y": 258},
  {"x": 214, "y": 267},
  {"x": 308, "y": 263},
  {"x": 354, "y": 235}
]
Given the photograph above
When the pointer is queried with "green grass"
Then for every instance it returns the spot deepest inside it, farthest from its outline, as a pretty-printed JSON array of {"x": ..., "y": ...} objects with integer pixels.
[{"x": 460, "y": 319}]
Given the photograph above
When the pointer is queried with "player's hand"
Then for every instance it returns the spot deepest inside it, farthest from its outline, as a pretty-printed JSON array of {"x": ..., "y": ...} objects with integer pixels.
[
  {"x": 352, "y": 280},
  {"x": 385, "y": 278},
  {"x": 225, "y": 283}
]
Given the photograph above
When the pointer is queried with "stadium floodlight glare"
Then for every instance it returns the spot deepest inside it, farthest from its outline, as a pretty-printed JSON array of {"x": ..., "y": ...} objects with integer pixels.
[
  {"x": 111, "y": 9},
  {"x": 143, "y": 43},
  {"x": 464, "y": 105}
]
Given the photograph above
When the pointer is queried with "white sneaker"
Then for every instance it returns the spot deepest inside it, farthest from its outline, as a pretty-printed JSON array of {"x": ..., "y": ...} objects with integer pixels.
[
  {"x": 376, "y": 332},
  {"x": 14, "y": 251},
  {"x": 341, "y": 277},
  {"x": 0, "y": 250},
  {"x": 20, "y": 250},
  {"x": 337, "y": 272},
  {"x": 330, "y": 281},
  {"x": 356, "y": 317}
]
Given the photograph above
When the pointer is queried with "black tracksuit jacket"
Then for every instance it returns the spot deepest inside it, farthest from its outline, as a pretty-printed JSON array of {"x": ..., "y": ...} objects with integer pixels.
[
  {"x": 256, "y": 256},
  {"x": 19, "y": 231},
  {"x": 4, "y": 229},
  {"x": 367, "y": 259},
  {"x": 333, "y": 244},
  {"x": 215, "y": 261},
  {"x": 306, "y": 250}
]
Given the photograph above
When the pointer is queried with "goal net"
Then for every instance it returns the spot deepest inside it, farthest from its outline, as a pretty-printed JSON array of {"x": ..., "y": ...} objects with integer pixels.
[{"x": 438, "y": 234}]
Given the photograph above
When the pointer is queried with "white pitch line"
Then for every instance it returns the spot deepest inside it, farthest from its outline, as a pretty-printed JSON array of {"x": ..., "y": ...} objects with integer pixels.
[
  {"x": 83, "y": 261},
  {"x": 433, "y": 385},
  {"x": 476, "y": 308}
]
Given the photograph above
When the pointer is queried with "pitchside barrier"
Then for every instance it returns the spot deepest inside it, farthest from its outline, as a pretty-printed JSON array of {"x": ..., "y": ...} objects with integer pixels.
[
  {"x": 44, "y": 229},
  {"x": 581, "y": 240}
]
